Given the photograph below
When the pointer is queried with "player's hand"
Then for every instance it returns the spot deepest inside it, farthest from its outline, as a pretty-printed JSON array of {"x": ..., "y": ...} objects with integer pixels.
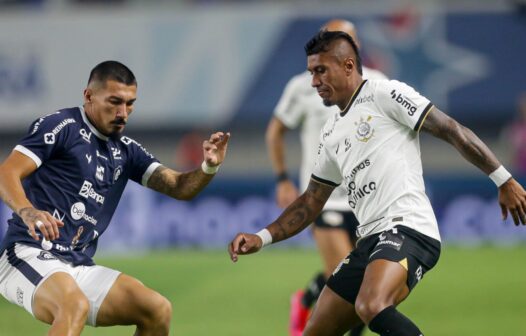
[
  {"x": 42, "y": 221},
  {"x": 512, "y": 198},
  {"x": 214, "y": 149},
  {"x": 286, "y": 193},
  {"x": 244, "y": 243}
]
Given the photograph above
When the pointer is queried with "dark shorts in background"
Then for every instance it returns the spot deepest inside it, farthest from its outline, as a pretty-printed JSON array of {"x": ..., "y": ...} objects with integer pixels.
[
  {"x": 332, "y": 219},
  {"x": 415, "y": 251}
]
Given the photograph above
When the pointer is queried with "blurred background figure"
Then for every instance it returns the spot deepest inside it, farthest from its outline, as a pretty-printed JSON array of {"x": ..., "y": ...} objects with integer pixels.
[
  {"x": 188, "y": 153},
  {"x": 516, "y": 137}
]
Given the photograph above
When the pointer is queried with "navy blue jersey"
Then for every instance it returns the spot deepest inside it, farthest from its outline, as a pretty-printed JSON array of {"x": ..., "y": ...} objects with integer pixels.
[{"x": 80, "y": 178}]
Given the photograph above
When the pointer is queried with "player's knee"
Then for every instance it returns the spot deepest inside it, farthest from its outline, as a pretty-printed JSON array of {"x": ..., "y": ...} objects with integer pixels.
[
  {"x": 75, "y": 306},
  {"x": 368, "y": 308},
  {"x": 159, "y": 312},
  {"x": 164, "y": 310}
]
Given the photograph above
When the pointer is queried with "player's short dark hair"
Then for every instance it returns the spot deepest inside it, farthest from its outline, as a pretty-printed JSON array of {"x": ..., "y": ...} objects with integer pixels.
[
  {"x": 322, "y": 40},
  {"x": 112, "y": 70}
]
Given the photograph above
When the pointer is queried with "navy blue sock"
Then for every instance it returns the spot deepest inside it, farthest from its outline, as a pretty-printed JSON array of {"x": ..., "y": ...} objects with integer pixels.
[{"x": 390, "y": 322}]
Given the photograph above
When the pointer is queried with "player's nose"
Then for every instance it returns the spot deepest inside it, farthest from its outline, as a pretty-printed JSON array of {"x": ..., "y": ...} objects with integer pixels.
[
  {"x": 315, "y": 82},
  {"x": 122, "y": 112}
]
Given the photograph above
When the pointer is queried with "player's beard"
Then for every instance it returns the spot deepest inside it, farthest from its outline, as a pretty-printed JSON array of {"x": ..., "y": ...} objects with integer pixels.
[
  {"x": 117, "y": 133},
  {"x": 327, "y": 102}
]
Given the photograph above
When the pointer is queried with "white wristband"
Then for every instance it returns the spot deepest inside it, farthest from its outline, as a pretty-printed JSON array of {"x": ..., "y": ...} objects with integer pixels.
[
  {"x": 500, "y": 176},
  {"x": 209, "y": 170},
  {"x": 265, "y": 236}
]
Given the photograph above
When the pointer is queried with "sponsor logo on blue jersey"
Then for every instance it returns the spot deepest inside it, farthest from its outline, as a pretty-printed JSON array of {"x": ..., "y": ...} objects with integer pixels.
[{"x": 87, "y": 191}]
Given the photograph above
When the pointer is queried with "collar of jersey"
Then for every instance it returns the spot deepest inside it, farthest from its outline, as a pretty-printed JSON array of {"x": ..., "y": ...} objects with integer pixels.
[
  {"x": 90, "y": 125},
  {"x": 353, "y": 97}
]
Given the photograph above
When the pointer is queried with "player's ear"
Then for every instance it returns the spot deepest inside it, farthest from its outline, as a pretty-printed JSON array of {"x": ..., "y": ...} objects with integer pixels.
[
  {"x": 349, "y": 66},
  {"x": 87, "y": 95}
]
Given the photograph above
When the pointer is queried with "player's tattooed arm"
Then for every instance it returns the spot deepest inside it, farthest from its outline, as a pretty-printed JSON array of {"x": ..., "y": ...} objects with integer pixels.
[
  {"x": 462, "y": 138},
  {"x": 184, "y": 186},
  {"x": 301, "y": 212},
  {"x": 181, "y": 186},
  {"x": 512, "y": 196}
]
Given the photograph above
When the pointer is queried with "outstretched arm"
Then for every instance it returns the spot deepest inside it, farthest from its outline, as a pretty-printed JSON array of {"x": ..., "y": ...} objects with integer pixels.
[
  {"x": 184, "y": 186},
  {"x": 512, "y": 196},
  {"x": 286, "y": 191},
  {"x": 293, "y": 220}
]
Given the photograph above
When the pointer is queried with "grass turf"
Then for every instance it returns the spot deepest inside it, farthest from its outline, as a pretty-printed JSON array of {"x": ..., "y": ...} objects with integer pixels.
[{"x": 472, "y": 291}]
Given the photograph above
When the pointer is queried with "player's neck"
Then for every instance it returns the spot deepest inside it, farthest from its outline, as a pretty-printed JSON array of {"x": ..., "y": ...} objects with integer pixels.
[
  {"x": 91, "y": 120},
  {"x": 355, "y": 85}
]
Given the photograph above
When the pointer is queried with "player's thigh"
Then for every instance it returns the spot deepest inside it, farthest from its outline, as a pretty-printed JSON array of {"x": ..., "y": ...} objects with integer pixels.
[
  {"x": 397, "y": 262},
  {"x": 332, "y": 315},
  {"x": 56, "y": 295},
  {"x": 333, "y": 244},
  {"x": 36, "y": 280},
  {"x": 128, "y": 302},
  {"x": 384, "y": 282}
]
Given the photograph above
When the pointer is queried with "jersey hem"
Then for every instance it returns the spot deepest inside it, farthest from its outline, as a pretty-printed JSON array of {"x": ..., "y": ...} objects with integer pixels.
[
  {"x": 423, "y": 117},
  {"x": 324, "y": 181},
  {"x": 149, "y": 171}
]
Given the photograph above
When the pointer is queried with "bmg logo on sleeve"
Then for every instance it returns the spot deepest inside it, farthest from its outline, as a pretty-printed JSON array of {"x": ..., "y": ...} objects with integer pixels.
[{"x": 406, "y": 103}]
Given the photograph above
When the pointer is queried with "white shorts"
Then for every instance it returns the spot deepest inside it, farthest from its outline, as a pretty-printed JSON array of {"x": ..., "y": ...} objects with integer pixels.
[{"x": 24, "y": 268}]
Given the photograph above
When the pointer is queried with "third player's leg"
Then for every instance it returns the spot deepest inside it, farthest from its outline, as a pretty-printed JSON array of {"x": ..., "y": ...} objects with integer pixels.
[
  {"x": 334, "y": 245},
  {"x": 129, "y": 302}
]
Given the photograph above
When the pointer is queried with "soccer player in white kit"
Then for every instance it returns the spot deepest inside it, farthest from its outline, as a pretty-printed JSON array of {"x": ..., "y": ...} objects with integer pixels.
[
  {"x": 334, "y": 229},
  {"x": 372, "y": 147}
]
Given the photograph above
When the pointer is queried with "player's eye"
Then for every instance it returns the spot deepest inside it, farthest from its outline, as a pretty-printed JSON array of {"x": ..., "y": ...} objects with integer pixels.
[{"x": 116, "y": 101}]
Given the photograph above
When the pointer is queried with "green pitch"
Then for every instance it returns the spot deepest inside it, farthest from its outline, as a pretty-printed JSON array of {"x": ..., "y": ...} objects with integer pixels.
[{"x": 472, "y": 291}]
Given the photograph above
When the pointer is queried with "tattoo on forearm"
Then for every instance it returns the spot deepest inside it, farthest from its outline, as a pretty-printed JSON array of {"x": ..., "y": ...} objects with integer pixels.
[
  {"x": 293, "y": 221},
  {"x": 476, "y": 152},
  {"x": 178, "y": 185},
  {"x": 31, "y": 214},
  {"x": 302, "y": 212}
]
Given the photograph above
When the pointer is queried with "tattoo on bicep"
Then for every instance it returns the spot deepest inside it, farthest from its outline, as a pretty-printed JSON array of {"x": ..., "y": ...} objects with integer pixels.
[{"x": 438, "y": 124}]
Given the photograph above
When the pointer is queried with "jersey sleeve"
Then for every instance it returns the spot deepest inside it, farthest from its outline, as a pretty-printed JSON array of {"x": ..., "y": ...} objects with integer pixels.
[
  {"x": 403, "y": 104},
  {"x": 325, "y": 169},
  {"x": 46, "y": 136},
  {"x": 289, "y": 109},
  {"x": 141, "y": 162}
]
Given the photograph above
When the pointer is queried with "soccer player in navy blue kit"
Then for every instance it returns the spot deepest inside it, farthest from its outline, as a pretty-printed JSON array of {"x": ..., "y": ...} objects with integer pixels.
[{"x": 63, "y": 181}]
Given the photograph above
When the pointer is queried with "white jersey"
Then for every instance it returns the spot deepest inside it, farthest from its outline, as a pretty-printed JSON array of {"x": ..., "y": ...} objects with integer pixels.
[
  {"x": 300, "y": 105},
  {"x": 372, "y": 149}
]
